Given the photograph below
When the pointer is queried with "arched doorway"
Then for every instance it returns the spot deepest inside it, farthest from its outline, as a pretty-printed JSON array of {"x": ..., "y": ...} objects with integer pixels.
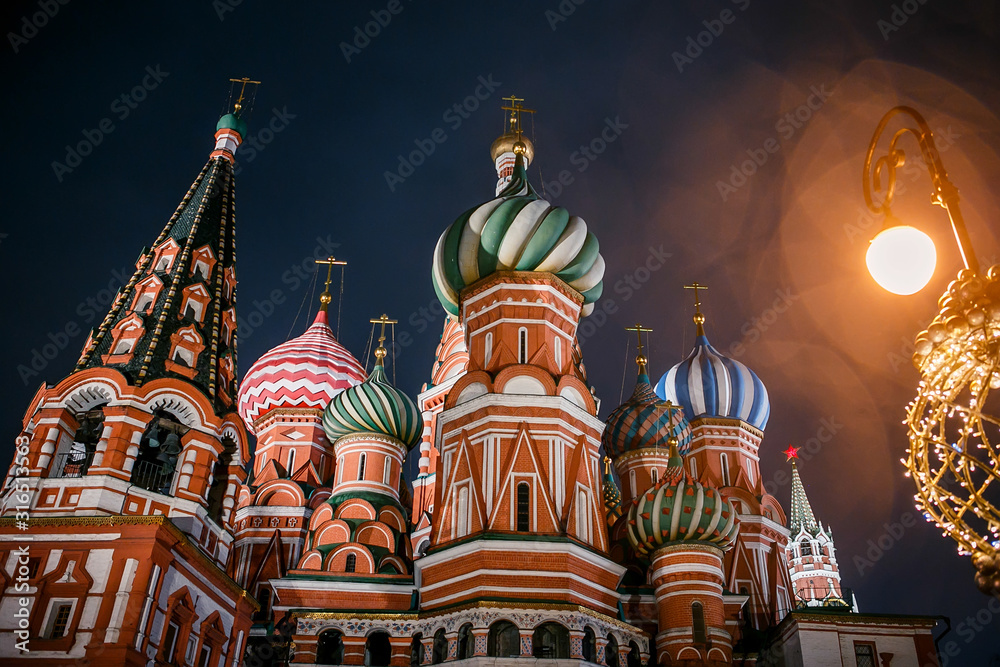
[
  {"x": 550, "y": 640},
  {"x": 504, "y": 640},
  {"x": 378, "y": 651},
  {"x": 330, "y": 648}
]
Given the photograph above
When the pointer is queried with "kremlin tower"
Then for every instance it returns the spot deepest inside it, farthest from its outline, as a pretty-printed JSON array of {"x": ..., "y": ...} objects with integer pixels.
[
  {"x": 534, "y": 530},
  {"x": 811, "y": 554}
]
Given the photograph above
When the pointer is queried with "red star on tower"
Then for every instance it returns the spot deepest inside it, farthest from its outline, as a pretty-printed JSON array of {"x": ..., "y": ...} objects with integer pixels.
[{"x": 791, "y": 453}]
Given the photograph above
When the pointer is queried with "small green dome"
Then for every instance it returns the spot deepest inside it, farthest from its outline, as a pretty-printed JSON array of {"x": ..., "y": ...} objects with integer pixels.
[
  {"x": 232, "y": 122},
  {"x": 374, "y": 406},
  {"x": 678, "y": 509}
]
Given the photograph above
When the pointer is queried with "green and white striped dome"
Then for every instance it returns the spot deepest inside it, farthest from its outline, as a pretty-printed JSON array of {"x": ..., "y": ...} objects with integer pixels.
[
  {"x": 680, "y": 509},
  {"x": 374, "y": 406},
  {"x": 517, "y": 231}
]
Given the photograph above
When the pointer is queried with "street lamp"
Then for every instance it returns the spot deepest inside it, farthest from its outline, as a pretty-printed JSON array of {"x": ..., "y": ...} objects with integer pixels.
[{"x": 953, "y": 427}]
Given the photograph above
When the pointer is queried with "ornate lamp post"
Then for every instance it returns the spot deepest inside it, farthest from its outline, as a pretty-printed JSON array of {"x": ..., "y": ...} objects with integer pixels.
[{"x": 953, "y": 423}]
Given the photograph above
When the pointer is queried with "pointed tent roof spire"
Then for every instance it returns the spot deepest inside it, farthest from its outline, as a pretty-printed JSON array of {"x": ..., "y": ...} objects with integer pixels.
[{"x": 802, "y": 514}]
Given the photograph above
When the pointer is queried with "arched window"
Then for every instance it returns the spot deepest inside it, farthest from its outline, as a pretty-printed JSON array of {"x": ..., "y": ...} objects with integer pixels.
[
  {"x": 504, "y": 640},
  {"x": 439, "y": 653},
  {"x": 724, "y": 458},
  {"x": 330, "y": 648},
  {"x": 522, "y": 346},
  {"x": 654, "y": 475},
  {"x": 589, "y": 645},
  {"x": 558, "y": 352},
  {"x": 523, "y": 507},
  {"x": 462, "y": 512},
  {"x": 631, "y": 483},
  {"x": 378, "y": 650},
  {"x": 634, "y": 658},
  {"x": 694, "y": 468},
  {"x": 698, "y": 623},
  {"x": 350, "y": 563},
  {"x": 466, "y": 642},
  {"x": 387, "y": 472},
  {"x": 291, "y": 462},
  {"x": 487, "y": 348},
  {"x": 340, "y": 470},
  {"x": 806, "y": 548},
  {"x": 416, "y": 650},
  {"x": 550, "y": 640},
  {"x": 611, "y": 652},
  {"x": 361, "y": 466}
]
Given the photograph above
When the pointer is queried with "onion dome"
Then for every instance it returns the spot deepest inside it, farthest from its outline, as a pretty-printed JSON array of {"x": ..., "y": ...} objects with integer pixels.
[
  {"x": 678, "y": 509},
  {"x": 517, "y": 231},
  {"x": 232, "y": 122},
  {"x": 305, "y": 372},
  {"x": 612, "y": 495},
  {"x": 645, "y": 421},
  {"x": 374, "y": 406},
  {"x": 711, "y": 384}
]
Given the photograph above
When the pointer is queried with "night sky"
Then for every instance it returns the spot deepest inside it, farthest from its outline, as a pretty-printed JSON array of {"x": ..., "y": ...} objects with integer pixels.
[{"x": 684, "y": 93}]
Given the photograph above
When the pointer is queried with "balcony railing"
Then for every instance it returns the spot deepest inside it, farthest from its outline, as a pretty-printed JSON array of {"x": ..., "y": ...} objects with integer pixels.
[
  {"x": 153, "y": 476},
  {"x": 72, "y": 464}
]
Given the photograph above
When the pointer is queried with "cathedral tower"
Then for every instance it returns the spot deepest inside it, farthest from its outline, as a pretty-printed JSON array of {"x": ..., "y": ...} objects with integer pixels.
[{"x": 129, "y": 466}]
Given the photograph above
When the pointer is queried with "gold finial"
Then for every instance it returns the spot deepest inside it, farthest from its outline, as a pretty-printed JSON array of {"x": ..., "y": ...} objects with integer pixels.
[
  {"x": 325, "y": 298},
  {"x": 607, "y": 465},
  {"x": 380, "y": 350},
  {"x": 640, "y": 358},
  {"x": 699, "y": 318},
  {"x": 243, "y": 86},
  {"x": 514, "y": 121}
]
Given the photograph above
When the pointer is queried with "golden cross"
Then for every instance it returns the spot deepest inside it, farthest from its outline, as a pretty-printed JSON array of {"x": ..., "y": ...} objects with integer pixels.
[
  {"x": 330, "y": 262},
  {"x": 244, "y": 81},
  {"x": 699, "y": 319},
  {"x": 383, "y": 320},
  {"x": 639, "y": 330},
  {"x": 515, "y": 108}
]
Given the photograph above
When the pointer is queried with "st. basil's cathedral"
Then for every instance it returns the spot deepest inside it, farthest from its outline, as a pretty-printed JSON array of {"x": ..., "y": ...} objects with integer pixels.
[{"x": 158, "y": 534}]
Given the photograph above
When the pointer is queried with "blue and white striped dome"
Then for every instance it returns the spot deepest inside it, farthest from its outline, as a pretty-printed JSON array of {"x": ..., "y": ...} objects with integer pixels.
[{"x": 708, "y": 383}]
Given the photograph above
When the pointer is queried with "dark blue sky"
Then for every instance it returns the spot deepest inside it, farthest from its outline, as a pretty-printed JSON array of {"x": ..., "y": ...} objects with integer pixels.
[{"x": 797, "y": 86}]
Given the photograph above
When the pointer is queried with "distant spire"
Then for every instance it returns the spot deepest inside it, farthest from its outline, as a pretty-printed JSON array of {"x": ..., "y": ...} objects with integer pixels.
[
  {"x": 801, "y": 515},
  {"x": 640, "y": 359},
  {"x": 699, "y": 318}
]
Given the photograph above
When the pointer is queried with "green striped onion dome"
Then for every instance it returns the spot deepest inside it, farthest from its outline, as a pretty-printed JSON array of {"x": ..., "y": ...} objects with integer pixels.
[
  {"x": 678, "y": 509},
  {"x": 517, "y": 231},
  {"x": 374, "y": 406},
  {"x": 612, "y": 499}
]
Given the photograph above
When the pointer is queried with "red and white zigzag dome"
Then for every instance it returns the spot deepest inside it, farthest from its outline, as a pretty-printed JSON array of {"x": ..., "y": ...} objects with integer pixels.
[{"x": 305, "y": 372}]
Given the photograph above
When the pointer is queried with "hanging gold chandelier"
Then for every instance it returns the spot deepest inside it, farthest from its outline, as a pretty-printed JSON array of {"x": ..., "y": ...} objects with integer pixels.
[{"x": 953, "y": 423}]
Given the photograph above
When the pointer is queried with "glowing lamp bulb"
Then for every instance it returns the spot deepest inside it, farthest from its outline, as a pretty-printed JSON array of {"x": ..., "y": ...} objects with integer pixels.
[{"x": 901, "y": 259}]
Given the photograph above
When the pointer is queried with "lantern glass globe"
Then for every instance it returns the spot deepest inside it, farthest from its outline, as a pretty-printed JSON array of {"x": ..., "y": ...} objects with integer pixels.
[{"x": 901, "y": 259}]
